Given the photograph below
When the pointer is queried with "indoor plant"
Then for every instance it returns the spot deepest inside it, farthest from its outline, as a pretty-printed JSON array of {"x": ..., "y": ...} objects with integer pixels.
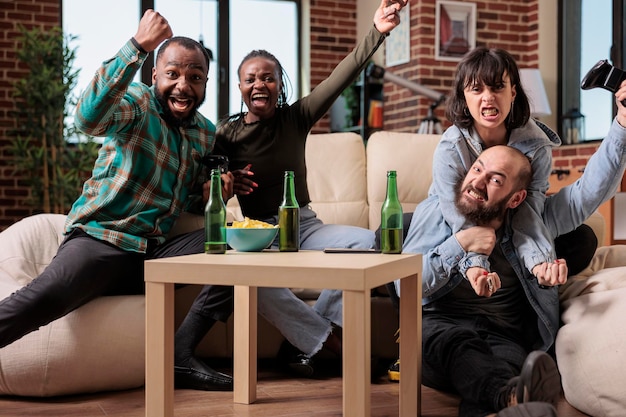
[{"x": 53, "y": 167}]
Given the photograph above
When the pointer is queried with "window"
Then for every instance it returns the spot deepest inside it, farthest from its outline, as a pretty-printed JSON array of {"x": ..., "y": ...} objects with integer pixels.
[
  {"x": 591, "y": 30},
  {"x": 246, "y": 25},
  {"x": 197, "y": 20},
  {"x": 92, "y": 48},
  {"x": 277, "y": 32}
]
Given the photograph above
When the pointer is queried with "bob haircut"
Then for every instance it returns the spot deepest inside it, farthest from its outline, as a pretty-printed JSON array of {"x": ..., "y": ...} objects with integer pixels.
[{"x": 484, "y": 66}]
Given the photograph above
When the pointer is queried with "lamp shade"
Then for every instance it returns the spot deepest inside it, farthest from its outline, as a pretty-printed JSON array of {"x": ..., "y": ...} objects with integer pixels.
[{"x": 533, "y": 86}]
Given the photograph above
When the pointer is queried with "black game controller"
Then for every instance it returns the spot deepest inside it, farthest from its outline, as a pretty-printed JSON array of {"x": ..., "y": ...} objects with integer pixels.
[
  {"x": 604, "y": 75},
  {"x": 215, "y": 161}
]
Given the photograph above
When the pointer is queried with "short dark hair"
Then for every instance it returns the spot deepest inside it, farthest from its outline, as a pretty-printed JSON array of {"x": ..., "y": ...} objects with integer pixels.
[
  {"x": 486, "y": 66},
  {"x": 186, "y": 43}
]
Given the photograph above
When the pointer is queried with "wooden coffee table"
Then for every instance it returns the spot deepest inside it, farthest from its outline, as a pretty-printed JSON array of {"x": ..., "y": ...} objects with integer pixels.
[{"x": 355, "y": 274}]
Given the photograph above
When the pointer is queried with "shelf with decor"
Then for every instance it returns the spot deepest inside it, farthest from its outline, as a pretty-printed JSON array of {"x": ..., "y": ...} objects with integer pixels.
[{"x": 359, "y": 109}]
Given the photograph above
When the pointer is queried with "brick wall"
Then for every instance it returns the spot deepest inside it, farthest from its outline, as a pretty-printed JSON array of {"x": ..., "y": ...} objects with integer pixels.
[
  {"x": 333, "y": 36},
  {"x": 573, "y": 157},
  {"x": 30, "y": 13}
]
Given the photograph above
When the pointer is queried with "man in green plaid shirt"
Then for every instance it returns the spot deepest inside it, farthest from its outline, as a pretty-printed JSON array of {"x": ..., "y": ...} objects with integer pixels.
[{"x": 147, "y": 172}]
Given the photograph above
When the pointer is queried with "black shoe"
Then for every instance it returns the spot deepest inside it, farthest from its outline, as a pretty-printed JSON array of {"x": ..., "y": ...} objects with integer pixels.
[
  {"x": 539, "y": 380},
  {"x": 393, "y": 373},
  {"x": 302, "y": 365},
  {"x": 197, "y": 375},
  {"x": 291, "y": 359},
  {"x": 532, "y": 409}
]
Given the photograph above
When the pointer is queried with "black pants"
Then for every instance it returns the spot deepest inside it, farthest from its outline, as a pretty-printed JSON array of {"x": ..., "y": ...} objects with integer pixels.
[
  {"x": 471, "y": 356},
  {"x": 84, "y": 268}
]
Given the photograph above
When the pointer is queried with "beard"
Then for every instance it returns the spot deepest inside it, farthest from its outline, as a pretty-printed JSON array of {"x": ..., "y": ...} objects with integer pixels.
[
  {"x": 169, "y": 117},
  {"x": 479, "y": 214}
]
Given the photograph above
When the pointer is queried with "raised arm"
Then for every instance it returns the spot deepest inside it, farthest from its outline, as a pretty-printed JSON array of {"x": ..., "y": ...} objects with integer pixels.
[
  {"x": 104, "y": 107},
  {"x": 572, "y": 205},
  {"x": 316, "y": 104}
]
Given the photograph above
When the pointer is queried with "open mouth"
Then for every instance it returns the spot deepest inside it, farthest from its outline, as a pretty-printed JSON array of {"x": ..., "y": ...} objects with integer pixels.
[
  {"x": 475, "y": 194},
  {"x": 260, "y": 98},
  {"x": 180, "y": 104},
  {"x": 489, "y": 112}
]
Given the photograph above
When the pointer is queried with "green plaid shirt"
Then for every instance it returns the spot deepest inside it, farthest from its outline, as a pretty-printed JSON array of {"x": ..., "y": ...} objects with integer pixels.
[{"x": 146, "y": 171}]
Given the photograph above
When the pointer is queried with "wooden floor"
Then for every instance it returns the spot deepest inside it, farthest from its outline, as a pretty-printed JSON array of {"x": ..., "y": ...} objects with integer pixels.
[{"x": 279, "y": 395}]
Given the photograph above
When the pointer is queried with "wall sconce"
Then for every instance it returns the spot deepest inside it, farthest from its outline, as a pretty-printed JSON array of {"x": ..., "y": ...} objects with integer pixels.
[
  {"x": 573, "y": 126},
  {"x": 532, "y": 83}
]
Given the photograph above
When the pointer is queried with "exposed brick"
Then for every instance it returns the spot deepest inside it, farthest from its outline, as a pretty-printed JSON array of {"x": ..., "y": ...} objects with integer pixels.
[
  {"x": 560, "y": 163},
  {"x": 587, "y": 150},
  {"x": 569, "y": 152}
]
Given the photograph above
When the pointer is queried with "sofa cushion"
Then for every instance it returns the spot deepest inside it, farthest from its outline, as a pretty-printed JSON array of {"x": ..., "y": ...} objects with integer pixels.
[
  {"x": 591, "y": 344},
  {"x": 336, "y": 178},
  {"x": 27, "y": 246},
  {"x": 98, "y": 347},
  {"x": 411, "y": 156}
]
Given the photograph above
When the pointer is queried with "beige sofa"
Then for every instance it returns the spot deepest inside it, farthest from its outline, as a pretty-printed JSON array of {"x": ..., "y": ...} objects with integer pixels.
[{"x": 100, "y": 346}]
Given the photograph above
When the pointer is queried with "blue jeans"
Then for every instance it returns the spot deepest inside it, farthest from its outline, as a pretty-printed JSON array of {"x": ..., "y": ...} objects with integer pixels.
[{"x": 304, "y": 327}]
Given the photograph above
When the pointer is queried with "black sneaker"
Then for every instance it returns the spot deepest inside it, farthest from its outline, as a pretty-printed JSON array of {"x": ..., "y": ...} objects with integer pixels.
[
  {"x": 294, "y": 361},
  {"x": 393, "y": 373},
  {"x": 532, "y": 409},
  {"x": 539, "y": 380}
]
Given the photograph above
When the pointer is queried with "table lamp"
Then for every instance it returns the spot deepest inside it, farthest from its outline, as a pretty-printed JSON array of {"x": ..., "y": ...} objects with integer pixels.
[{"x": 533, "y": 86}]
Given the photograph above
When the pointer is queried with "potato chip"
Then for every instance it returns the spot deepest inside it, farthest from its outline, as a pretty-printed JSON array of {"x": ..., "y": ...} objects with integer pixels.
[{"x": 249, "y": 223}]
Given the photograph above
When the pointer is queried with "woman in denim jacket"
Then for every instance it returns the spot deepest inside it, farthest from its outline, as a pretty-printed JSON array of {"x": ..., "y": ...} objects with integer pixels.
[{"x": 488, "y": 107}]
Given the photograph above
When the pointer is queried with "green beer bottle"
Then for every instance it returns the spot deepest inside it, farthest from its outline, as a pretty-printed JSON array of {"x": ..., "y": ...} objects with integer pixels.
[
  {"x": 215, "y": 217},
  {"x": 391, "y": 218},
  {"x": 289, "y": 217}
]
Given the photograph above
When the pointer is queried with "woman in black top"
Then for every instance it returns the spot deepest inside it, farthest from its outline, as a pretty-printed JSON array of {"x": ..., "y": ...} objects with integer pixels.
[{"x": 261, "y": 145}]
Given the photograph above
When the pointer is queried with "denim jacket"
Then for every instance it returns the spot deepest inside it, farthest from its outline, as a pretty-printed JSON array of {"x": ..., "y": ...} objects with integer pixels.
[
  {"x": 454, "y": 156},
  {"x": 443, "y": 256}
]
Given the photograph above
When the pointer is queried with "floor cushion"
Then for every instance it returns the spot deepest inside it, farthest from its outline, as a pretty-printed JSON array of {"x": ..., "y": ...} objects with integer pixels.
[
  {"x": 591, "y": 344},
  {"x": 98, "y": 347}
]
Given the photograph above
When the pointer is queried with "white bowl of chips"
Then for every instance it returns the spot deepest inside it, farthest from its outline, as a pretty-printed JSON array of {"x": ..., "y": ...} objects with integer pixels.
[{"x": 250, "y": 235}]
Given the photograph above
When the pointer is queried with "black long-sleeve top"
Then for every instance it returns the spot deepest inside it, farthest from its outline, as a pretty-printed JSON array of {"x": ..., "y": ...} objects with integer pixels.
[{"x": 275, "y": 145}]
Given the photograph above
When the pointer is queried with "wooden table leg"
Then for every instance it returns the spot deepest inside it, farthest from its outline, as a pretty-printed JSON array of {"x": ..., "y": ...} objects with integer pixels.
[
  {"x": 159, "y": 349},
  {"x": 245, "y": 345},
  {"x": 410, "y": 347},
  {"x": 356, "y": 353}
]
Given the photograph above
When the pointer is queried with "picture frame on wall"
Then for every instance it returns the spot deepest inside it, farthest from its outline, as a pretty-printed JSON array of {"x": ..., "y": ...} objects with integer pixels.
[
  {"x": 455, "y": 29},
  {"x": 398, "y": 45}
]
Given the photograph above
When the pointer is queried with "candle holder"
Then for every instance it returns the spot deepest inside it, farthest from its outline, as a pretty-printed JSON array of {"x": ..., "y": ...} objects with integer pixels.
[{"x": 573, "y": 127}]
